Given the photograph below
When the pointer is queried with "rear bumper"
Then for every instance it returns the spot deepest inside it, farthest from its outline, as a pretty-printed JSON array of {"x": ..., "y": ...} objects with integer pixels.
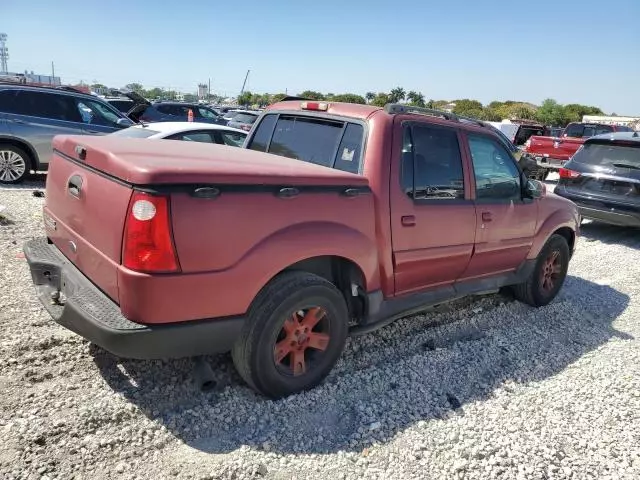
[
  {"x": 623, "y": 217},
  {"x": 548, "y": 162},
  {"x": 87, "y": 311}
]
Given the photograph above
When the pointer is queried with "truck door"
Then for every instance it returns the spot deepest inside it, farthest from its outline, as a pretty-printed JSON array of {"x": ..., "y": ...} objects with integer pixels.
[
  {"x": 506, "y": 222},
  {"x": 433, "y": 219}
]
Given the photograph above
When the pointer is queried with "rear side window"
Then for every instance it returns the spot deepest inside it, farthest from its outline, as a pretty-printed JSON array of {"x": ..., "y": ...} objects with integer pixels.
[
  {"x": 48, "y": 105},
  {"x": 327, "y": 142},
  {"x": 8, "y": 101},
  {"x": 245, "y": 118},
  {"x": 622, "y": 128},
  {"x": 610, "y": 155},
  {"x": 135, "y": 132},
  {"x": 600, "y": 129},
  {"x": 431, "y": 163},
  {"x": 201, "y": 137},
  {"x": 574, "y": 130}
]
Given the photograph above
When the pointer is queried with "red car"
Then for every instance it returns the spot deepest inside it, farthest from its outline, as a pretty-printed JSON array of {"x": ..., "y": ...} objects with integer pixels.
[
  {"x": 167, "y": 249},
  {"x": 551, "y": 153}
]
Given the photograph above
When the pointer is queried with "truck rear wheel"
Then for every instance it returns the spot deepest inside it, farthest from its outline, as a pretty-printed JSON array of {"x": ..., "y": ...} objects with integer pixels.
[
  {"x": 294, "y": 334},
  {"x": 547, "y": 276}
]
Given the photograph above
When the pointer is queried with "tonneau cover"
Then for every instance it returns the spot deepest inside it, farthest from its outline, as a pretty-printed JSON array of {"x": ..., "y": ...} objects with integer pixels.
[{"x": 155, "y": 162}]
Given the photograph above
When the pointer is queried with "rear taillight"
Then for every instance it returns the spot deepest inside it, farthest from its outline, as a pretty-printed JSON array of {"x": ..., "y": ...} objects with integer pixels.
[
  {"x": 148, "y": 242},
  {"x": 567, "y": 173}
]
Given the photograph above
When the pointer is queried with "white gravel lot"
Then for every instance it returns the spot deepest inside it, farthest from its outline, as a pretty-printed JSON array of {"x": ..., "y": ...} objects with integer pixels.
[{"x": 483, "y": 388}]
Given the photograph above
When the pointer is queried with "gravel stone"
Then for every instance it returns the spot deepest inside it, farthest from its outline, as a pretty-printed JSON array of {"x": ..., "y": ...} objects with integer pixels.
[{"x": 484, "y": 387}]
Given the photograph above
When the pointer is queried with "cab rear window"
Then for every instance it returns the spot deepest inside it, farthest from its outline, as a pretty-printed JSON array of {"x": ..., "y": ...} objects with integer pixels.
[{"x": 331, "y": 143}]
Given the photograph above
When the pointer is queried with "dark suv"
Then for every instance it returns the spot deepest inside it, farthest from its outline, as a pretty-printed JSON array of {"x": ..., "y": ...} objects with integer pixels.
[
  {"x": 31, "y": 116},
  {"x": 603, "y": 179},
  {"x": 175, "y": 112}
]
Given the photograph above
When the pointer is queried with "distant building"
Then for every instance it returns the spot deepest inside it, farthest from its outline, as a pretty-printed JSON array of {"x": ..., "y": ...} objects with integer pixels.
[
  {"x": 27, "y": 77},
  {"x": 611, "y": 120},
  {"x": 203, "y": 91}
]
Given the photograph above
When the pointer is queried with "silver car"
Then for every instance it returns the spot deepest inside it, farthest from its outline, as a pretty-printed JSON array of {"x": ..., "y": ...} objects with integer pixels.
[{"x": 31, "y": 116}]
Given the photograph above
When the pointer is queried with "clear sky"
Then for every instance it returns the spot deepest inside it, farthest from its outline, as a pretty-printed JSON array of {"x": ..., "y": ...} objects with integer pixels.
[{"x": 576, "y": 51}]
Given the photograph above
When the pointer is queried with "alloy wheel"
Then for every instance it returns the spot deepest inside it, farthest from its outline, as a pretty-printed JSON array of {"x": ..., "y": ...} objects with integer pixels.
[{"x": 12, "y": 166}]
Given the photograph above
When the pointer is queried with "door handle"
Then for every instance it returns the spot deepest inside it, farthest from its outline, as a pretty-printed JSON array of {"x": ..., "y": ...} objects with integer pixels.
[
  {"x": 486, "y": 216},
  {"x": 74, "y": 186},
  {"x": 91, "y": 131},
  {"x": 408, "y": 220}
]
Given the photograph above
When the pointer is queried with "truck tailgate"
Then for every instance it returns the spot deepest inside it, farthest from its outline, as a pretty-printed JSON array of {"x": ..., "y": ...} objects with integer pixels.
[{"x": 84, "y": 215}]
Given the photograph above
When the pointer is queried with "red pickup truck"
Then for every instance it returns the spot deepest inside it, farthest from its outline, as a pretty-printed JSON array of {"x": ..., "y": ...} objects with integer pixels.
[
  {"x": 168, "y": 249},
  {"x": 551, "y": 153}
]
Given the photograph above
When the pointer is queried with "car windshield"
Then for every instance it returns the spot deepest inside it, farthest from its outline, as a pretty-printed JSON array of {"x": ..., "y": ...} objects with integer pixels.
[
  {"x": 245, "y": 118},
  {"x": 610, "y": 155},
  {"x": 135, "y": 132}
]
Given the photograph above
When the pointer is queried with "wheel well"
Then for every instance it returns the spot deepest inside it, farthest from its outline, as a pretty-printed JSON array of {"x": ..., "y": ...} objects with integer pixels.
[
  {"x": 343, "y": 273},
  {"x": 33, "y": 157},
  {"x": 569, "y": 235}
]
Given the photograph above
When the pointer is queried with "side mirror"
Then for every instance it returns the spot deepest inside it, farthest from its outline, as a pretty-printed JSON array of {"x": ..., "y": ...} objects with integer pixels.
[
  {"x": 535, "y": 189},
  {"x": 124, "y": 122}
]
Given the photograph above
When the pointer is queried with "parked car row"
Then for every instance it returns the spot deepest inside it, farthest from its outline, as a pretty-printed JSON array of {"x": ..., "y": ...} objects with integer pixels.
[
  {"x": 551, "y": 153},
  {"x": 31, "y": 116}
]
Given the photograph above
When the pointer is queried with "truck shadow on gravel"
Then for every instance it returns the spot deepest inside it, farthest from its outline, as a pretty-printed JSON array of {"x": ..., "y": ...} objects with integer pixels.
[
  {"x": 419, "y": 369},
  {"x": 610, "y": 234}
]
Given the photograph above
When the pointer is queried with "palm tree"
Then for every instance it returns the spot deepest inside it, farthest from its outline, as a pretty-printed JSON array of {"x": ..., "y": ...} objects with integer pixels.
[
  {"x": 397, "y": 95},
  {"x": 416, "y": 98},
  {"x": 370, "y": 96}
]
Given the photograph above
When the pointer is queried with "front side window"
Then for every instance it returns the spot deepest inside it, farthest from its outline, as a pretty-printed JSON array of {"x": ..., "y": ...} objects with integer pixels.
[
  {"x": 431, "y": 163},
  {"x": 331, "y": 143},
  {"x": 233, "y": 139},
  {"x": 206, "y": 113},
  {"x": 94, "y": 113},
  {"x": 497, "y": 177}
]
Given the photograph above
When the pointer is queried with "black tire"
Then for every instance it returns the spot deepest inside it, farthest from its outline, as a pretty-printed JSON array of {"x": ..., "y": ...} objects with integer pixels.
[
  {"x": 270, "y": 321},
  {"x": 533, "y": 291},
  {"x": 10, "y": 171}
]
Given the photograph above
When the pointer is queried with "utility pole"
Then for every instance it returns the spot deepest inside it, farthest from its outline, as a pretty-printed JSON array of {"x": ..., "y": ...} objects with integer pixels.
[
  {"x": 53, "y": 74},
  {"x": 245, "y": 82},
  {"x": 209, "y": 90}
]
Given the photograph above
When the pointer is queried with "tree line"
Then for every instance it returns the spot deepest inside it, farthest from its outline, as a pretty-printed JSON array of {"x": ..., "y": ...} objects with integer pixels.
[{"x": 549, "y": 112}]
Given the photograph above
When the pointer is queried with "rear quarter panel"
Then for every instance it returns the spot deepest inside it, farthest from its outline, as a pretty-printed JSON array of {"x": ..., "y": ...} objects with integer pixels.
[{"x": 247, "y": 238}]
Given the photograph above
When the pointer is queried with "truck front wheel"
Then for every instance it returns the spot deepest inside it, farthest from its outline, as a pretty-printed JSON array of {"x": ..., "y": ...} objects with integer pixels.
[
  {"x": 548, "y": 275},
  {"x": 294, "y": 334}
]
